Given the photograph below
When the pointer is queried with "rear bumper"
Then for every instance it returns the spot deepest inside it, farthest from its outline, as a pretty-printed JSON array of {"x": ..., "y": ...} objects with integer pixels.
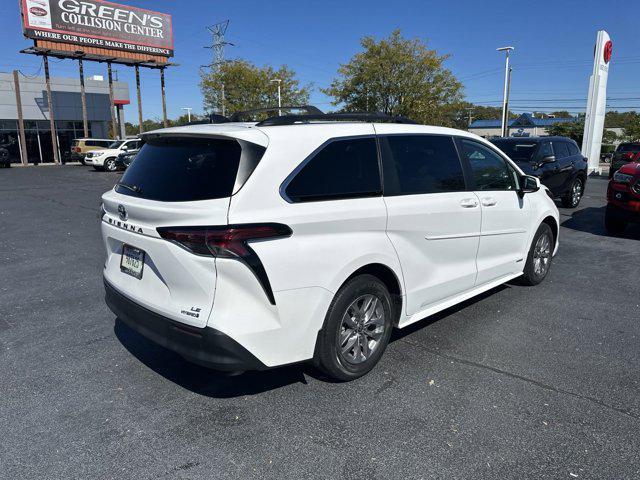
[{"x": 205, "y": 346}]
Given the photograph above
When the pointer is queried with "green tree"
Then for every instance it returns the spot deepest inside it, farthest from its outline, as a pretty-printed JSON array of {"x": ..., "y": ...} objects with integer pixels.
[
  {"x": 632, "y": 129},
  {"x": 398, "y": 76},
  {"x": 561, "y": 114},
  {"x": 573, "y": 130},
  {"x": 247, "y": 86}
]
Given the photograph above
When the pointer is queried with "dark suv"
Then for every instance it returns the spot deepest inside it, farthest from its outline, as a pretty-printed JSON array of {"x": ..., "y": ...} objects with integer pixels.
[
  {"x": 625, "y": 153},
  {"x": 556, "y": 161}
]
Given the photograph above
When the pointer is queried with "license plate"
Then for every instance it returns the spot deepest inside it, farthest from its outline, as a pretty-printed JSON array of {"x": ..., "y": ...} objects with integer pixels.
[{"x": 132, "y": 261}]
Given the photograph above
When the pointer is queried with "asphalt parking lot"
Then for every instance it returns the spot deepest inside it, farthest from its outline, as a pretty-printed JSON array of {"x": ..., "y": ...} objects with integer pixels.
[{"x": 522, "y": 382}]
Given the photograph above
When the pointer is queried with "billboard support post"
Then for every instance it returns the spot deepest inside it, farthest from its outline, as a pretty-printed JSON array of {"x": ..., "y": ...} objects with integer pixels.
[
  {"x": 164, "y": 99},
  {"x": 139, "y": 99},
  {"x": 114, "y": 127},
  {"x": 52, "y": 123},
  {"x": 23, "y": 140},
  {"x": 85, "y": 120}
]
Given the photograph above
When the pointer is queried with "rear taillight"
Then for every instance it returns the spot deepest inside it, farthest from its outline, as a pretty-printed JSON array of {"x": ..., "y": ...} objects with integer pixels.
[
  {"x": 227, "y": 242},
  {"x": 231, "y": 241}
]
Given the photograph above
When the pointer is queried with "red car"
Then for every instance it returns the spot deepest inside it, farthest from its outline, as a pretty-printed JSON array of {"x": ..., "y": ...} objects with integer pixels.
[{"x": 623, "y": 199}]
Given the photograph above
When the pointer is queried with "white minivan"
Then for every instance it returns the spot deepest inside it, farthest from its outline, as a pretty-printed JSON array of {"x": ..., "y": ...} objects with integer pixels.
[{"x": 252, "y": 245}]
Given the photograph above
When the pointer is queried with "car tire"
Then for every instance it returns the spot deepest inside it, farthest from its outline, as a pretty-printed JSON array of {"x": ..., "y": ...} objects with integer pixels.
[
  {"x": 539, "y": 257},
  {"x": 110, "y": 165},
  {"x": 612, "y": 223},
  {"x": 576, "y": 191},
  {"x": 356, "y": 329}
]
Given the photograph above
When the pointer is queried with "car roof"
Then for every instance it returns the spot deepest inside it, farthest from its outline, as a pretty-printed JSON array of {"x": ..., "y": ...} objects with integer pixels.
[{"x": 252, "y": 132}]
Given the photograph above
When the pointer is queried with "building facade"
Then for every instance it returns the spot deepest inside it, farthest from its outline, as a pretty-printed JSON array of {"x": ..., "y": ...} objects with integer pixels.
[
  {"x": 526, "y": 125},
  {"x": 67, "y": 108}
]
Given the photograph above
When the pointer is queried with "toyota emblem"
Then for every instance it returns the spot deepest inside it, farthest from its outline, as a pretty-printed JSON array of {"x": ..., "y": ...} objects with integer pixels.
[{"x": 122, "y": 212}]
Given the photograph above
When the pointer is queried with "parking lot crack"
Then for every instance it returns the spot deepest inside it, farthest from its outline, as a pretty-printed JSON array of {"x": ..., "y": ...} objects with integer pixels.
[{"x": 537, "y": 383}]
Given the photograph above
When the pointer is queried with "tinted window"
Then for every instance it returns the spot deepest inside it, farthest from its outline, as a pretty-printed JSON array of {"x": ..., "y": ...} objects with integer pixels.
[
  {"x": 573, "y": 149},
  {"x": 421, "y": 164},
  {"x": 545, "y": 150},
  {"x": 519, "y": 151},
  {"x": 490, "y": 170},
  {"x": 561, "y": 150},
  {"x": 342, "y": 169},
  {"x": 181, "y": 169},
  {"x": 116, "y": 144},
  {"x": 628, "y": 147}
]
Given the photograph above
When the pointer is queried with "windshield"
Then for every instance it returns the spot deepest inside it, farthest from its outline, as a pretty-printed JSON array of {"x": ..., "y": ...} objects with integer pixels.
[
  {"x": 116, "y": 144},
  {"x": 629, "y": 147},
  {"x": 520, "y": 151},
  {"x": 183, "y": 169}
]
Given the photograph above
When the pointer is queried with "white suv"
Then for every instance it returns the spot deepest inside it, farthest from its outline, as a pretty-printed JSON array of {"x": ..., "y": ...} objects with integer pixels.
[
  {"x": 247, "y": 246},
  {"x": 106, "y": 159}
]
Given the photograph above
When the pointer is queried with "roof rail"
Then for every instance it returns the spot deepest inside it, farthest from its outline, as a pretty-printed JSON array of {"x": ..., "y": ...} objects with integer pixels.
[
  {"x": 335, "y": 117},
  {"x": 310, "y": 109}
]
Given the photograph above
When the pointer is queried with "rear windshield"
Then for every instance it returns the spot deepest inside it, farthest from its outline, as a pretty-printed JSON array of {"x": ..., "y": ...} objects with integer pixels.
[
  {"x": 183, "y": 170},
  {"x": 629, "y": 147},
  {"x": 520, "y": 151}
]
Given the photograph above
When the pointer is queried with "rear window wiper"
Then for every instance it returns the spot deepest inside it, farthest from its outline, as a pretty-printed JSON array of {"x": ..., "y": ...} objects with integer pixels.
[{"x": 133, "y": 188}]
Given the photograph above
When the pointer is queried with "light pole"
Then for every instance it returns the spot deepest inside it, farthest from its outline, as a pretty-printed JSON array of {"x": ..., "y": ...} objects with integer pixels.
[
  {"x": 505, "y": 98},
  {"x": 188, "y": 109},
  {"x": 223, "y": 99},
  {"x": 279, "y": 81}
]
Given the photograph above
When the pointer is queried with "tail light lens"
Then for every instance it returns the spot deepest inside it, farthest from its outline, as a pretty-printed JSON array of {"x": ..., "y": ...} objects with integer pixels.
[
  {"x": 230, "y": 241},
  {"x": 225, "y": 242}
]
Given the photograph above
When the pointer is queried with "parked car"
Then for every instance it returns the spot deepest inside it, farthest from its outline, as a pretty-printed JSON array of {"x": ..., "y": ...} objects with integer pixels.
[
  {"x": 623, "y": 198},
  {"x": 5, "y": 158},
  {"x": 556, "y": 161},
  {"x": 625, "y": 153},
  {"x": 106, "y": 159},
  {"x": 81, "y": 146},
  {"x": 247, "y": 246},
  {"x": 125, "y": 158},
  {"x": 606, "y": 157}
]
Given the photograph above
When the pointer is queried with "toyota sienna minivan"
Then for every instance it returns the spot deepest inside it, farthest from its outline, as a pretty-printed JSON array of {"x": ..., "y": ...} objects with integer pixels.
[{"x": 245, "y": 246}]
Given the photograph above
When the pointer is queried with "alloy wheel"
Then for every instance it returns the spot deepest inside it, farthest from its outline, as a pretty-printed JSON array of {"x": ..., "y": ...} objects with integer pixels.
[
  {"x": 362, "y": 328},
  {"x": 576, "y": 192},
  {"x": 542, "y": 255},
  {"x": 110, "y": 165}
]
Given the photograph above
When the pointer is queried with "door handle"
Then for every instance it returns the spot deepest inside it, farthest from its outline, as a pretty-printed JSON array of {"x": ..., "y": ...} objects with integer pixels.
[
  {"x": 489, "y": 201},
  {"x": 468, "y": 203}
]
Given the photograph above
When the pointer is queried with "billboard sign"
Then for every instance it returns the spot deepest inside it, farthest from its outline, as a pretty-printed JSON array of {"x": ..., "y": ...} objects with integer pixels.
[{"x": 98, "y": 23}]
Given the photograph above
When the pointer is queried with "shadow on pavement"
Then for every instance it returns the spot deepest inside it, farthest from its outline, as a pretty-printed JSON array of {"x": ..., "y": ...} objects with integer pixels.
[
  {"x": 591, "y": 220},
  {"x": 201, "y": 380}
]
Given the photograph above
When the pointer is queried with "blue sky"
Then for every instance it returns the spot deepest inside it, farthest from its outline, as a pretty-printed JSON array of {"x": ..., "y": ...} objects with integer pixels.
[{"x": 553, "y": 59}]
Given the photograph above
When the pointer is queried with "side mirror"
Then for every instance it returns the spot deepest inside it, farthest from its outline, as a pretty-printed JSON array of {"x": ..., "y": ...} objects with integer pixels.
[
  {"x": 549, "y": 159},
  {"x": 529, "y": 184},
  {"x": 125, "y": 148}
]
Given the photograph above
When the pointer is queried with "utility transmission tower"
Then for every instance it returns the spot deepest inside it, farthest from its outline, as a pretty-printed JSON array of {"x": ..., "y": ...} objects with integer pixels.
[{"x": 217, "y": 45}]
